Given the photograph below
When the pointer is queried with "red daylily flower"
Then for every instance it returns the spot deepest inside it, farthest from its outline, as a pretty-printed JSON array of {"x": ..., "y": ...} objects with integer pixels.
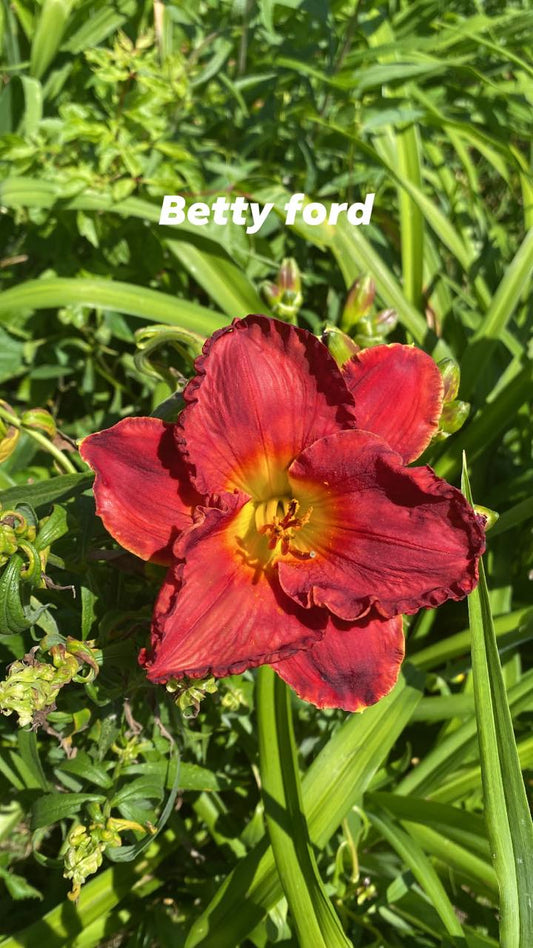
[{"x": 293, "y": 532}]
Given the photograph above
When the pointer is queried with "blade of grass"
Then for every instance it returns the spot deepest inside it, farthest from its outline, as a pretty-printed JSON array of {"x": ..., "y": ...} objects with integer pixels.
[
  {"x": 512, "y": 285},
  {"x": 414, "y": 857},
  {"x": 507, "y": 813},
  {"x": 109, "y": 294},
  {"x": 469, "y": 781},
  {"x": 227, "y": 285},
  {"x": 517, "y": 625},
  {"x": 411, "y": 218},
  {"x": 315, "y": 921},
  {"x": 446, "y": 756},
  {"x": 333, "y": 784},
  {"x": 48, "y": 35}
]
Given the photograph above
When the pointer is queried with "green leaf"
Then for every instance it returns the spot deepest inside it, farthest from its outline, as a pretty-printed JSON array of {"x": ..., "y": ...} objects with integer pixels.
[
  {"x": 17, "y": 886},
  {"x": 84, "y": 767},
  {"x": 48, "y": 34},
  {"x": 29, "y": 752},
  {"x": 414, "y": 857},
  {"x": 314, "y": 918},
  {"x": 508, "y": 818},
  {"x": 43, "y": 493},
  {"x": 226, "y": 284},
  {"x": 52, "y": 807},
  {"x": 54, "y": 527},
  {"x": 126, "y": 298},
  {"x": 334, "y": 783},
  {"x": 129, "y": 853},
  {"x": 148, "y": 787},
  {"x": 11, "y": 356},
  {"x": 16, "y": 614}
]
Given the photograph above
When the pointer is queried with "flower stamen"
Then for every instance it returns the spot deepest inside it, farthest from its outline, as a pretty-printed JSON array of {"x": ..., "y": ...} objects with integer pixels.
[{"x": 281, "y": 529}]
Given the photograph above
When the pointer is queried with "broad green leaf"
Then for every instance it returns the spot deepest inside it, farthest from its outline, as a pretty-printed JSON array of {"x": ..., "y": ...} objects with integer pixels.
[
  {"x": 44, "y": 493},
  {"x": 85, "y": 767},
  {"x": 52, "y": 807}
]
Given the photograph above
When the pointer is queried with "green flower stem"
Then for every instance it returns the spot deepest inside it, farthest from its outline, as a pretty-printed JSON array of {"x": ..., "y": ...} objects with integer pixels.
[
  {"x": 316, "y": 923},
  {"x": 41, "y": 439}
]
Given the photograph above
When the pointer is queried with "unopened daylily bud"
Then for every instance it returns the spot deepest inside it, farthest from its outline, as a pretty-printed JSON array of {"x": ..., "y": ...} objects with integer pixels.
[
  {"x": 454, "y": 415},
  {"x": 490, "y": 516},
  {"x": 284, "y": 296},
  {"x": 451, "y": 376},
  {"x": 385, "y": 321},
  {"x": 271, "y": 293},
  {"x": 341, "y": 346},
  {"x": 39, "y": 419},
  {"x": 358, "y": 302},
  {"x": 289, "y": 279}
]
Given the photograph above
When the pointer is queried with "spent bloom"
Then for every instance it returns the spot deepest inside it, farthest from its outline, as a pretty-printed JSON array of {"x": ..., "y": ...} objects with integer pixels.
[{"x": 280, "y": 501}]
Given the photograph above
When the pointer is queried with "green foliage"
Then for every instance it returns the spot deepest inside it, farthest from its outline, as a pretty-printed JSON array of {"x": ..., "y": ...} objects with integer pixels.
[{"x": 411, "y": 816}]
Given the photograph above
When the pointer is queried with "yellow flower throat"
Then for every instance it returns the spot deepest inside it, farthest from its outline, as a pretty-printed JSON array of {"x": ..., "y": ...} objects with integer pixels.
[{"x": 278, "y": 520}]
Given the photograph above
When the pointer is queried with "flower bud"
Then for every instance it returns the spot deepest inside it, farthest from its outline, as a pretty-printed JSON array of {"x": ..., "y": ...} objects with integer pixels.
[
  {"x": 451, "y": 376},
  {"x": 8, "y": 539},
  {"x": 385, "y": 321},
  {"x": 271, "y": 293},
  {"x": 289, "y": 279},
  {"x": 358, "y": 302},
  {"x": 454, "y": 415},
  {"x": 32, "y": 686},
  {"x": 341, "y": 346},
  {"x": 490, "y": 516},
  {"x": 284, "y": 297},
  {"x": 38, "y": 419}
]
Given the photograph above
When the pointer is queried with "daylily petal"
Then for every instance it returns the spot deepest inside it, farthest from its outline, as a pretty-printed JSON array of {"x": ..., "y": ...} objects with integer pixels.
[
  {"x": 142, "y": 490},
  {"x": 397, "y": 392},
  {"x": 264, "y": 391},
  {"x": 219, "y": 612},
  {"x": 352, "y": 667},
  {"x": 380, "y": 534}
]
